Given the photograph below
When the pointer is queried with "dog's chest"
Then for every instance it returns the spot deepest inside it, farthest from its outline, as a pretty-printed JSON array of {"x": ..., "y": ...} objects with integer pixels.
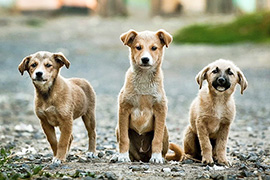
[
  {"x": 49, "y": 113},
  {"x": 142, "y": 116}
]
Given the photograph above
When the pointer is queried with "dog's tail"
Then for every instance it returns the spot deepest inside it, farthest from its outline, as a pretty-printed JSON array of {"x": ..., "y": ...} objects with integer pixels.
[{"x": 178, "y": 154}]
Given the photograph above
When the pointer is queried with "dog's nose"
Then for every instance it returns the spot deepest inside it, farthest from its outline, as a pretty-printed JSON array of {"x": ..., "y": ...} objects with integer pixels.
[
  {"x": 221, "y": 80},
  {"x": 39, "y": 74},
  {"x": 145, "y": 60}
]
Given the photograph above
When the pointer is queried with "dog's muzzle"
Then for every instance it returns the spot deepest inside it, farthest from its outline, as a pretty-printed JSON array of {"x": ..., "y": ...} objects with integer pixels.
[{"x": 221, "y": 84}]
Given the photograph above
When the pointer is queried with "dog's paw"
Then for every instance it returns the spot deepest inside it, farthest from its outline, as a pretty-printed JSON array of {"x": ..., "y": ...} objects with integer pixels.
[
  {"x": 223, "y": 162},
  {"x": 156, "y": 158},
  {"x": 56, "y": 162},
  {"x": 207, "y": 160},
  {"x": 123, "y": 157},
  {"x": 90, "y": 155}
]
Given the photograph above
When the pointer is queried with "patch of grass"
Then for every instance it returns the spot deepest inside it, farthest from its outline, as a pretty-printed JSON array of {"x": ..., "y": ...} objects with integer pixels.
[
  {"x": 34, "y": 22},
  {"x": 13, "y": 168},
  {"x": 247, "y": 28}
]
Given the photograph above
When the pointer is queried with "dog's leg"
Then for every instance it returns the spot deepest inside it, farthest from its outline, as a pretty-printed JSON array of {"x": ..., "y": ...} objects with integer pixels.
[
  {"x": 69, "y": 144},
  {"x": 50, "y": 134},
  {"x": 221, "y": 142},
  {"x": 165, "y": 142},
  {"x": 205, "y": 143},
  {"x": 191, "y": 144},
  {"x": 159, "y": 124},
  {"x": 123, "y": 126},
  {"x": 66, "y": 132},
  {"x": 90, "y": 124}
]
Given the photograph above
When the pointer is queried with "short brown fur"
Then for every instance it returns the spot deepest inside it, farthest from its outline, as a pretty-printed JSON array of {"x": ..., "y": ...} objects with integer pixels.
[
  {"x": 212, "y": 112},
  {"x": 141, "y": 130},
  {"x": 58, "y": 101}
]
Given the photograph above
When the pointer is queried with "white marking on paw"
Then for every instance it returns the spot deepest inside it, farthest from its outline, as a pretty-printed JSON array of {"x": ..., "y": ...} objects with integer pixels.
[
  {"x": 123, "y": 157},
  {"x": 156, "y": 158},
  {"x": 56, "y": 161}
]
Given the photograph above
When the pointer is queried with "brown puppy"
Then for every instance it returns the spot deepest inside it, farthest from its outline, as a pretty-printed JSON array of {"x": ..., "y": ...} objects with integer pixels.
[
  {"x": 212, "y": 112},
  {"x": 141, "y": 130},
  {"x": 58, "y": 101}
]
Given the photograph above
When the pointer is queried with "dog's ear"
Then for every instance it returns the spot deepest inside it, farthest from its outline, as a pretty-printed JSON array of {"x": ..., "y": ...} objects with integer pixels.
[
  {"x": 164, "y": 37},
  {"x": 23, "y": 66},
  {"x": 201, "y": 76},
  {"x": 242, "y": 81},
  {"x": 128, "y": 37},
  {"x": 61, "y": 59}
]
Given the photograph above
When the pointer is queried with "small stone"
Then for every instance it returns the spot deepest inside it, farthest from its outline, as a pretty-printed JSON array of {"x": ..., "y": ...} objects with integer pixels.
[
  {"x": 175, "y": 169},
  {"x": 109, "y": 152},
  {"x": 101, "y": 154},
  {"x": 110, "y": 176},
  {"x": 166, "y": 170},
  {"x": 207, "y": 168},
  {"x": 187, "y": 161},
  {"x": 135, "y": 168}
]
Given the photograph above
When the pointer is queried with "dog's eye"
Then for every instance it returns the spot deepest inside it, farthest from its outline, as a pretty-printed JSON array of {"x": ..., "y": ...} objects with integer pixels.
[
  {"x": 48, "y": 65},
  {"x": 154, "y": 48},
  {"x": 34, "y": 65},
  {"x": 215, "y": 71},
  {"x": 139, "y": 47},
  {"x": 230, "y": 72}
]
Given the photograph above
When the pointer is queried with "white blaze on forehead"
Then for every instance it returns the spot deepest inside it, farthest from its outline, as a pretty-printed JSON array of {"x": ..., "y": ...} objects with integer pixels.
[{"x": 146, "y": 54}]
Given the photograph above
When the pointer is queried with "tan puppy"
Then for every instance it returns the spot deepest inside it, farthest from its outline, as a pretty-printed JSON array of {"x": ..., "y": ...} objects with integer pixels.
[
  {"x": 212, "y": 112},
  {"x": 58, "y": 101},
  {"x": 141, "y": 130}
]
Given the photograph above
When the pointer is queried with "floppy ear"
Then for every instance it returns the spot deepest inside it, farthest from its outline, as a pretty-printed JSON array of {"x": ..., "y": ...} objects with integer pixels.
[
  {"x": 23, "y": 66},
  {"x": 128, "y": 37},
  {"x": 164, "y": 37},
  {"x": 61, "y": 59},
  {"x": 201, "y": 76},
  {"x": 242, "y": 81}
]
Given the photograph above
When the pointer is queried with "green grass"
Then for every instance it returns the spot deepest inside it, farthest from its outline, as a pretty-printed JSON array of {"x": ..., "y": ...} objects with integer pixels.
[{"x": 247, "y": 28}]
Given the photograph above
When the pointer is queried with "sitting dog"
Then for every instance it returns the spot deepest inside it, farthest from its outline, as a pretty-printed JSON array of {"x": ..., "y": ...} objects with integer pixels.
[
  {"x": 212, "y": 112},
  {"x": 141, "y": 131},
  {"x": 58, "y": 101}
]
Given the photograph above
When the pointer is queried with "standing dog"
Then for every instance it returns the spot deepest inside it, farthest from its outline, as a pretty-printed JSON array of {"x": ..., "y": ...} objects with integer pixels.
[
  {"x": 212, "y": 112},
  {"x": 141, "y": 131},
  {"x": 58, "y": 101}
]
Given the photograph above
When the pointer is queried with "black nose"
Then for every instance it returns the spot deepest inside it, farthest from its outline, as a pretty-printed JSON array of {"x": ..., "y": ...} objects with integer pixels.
[
  {"x": 145, "y": 60},
  {"x": 221, "y": 80},
  {"x": 39, "y": 74}
]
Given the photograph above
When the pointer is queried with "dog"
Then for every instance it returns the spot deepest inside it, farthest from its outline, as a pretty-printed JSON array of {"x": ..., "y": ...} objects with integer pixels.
[
  {"x": 142, "y": 104},
  {"x": 58, "y": 101},
  {"x": 213, "y": 111}
]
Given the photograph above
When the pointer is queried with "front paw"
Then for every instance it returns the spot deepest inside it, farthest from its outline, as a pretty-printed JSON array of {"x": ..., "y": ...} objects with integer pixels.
[
  {"x": 123, "y": 157},
  {"x": 56, "y": 162},
  {"x": 223, "y": 161},
  {"x": 156, "y": 158},
  {"x": 207, "y": 160}
]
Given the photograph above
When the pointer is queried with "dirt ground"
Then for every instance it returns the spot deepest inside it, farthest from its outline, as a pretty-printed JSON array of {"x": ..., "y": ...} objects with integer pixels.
[{"x": 93, "y": 47}]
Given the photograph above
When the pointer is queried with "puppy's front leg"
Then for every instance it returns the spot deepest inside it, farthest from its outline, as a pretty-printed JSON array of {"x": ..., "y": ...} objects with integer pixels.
[
  {"x": 123, "y": 126},
  {"x": 50, "y": 134},
  {"x": 204, "y": 140},
  {"x": 160, "y": 111},
  {"x": 66, "y": 131},
  {"x": 221, "y": 142}
]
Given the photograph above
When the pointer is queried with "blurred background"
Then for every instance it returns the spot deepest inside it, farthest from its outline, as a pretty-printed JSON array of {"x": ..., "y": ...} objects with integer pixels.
[{"x": 87, "y": 32}]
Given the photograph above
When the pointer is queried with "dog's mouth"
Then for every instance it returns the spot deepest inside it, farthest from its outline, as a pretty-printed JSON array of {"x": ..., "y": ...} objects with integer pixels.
[
  {"x": 221, "y": 87},
  {"x": 145, "y": 66},
  {"x": 40, "y": 80}
]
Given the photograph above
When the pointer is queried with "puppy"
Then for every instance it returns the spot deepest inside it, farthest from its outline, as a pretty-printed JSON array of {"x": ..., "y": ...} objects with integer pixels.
[
  {"x": 212, "y": 112},
  {"x": 58, "y": 101},
  {"x": 141, "y": 131}
]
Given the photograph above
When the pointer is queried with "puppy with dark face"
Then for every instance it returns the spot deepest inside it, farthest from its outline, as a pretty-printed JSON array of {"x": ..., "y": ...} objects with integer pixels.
[
  {"x": 141, "y": 131},
  {"x": 212, "y": 112},
  {"x": 58, "y": 101}
]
